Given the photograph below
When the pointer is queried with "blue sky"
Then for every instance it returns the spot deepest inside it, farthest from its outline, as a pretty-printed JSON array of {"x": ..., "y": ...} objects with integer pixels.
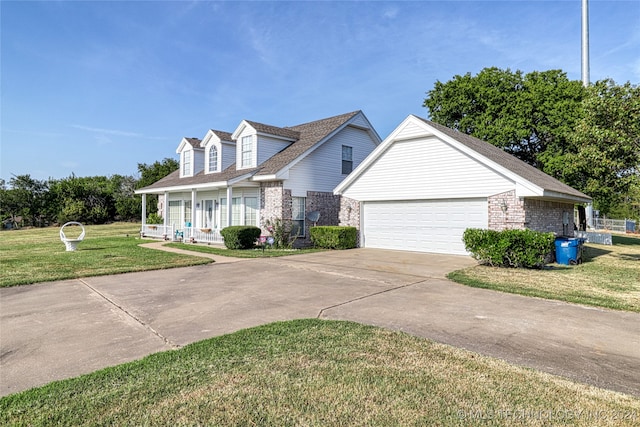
[{"x": 96, "y": 87}]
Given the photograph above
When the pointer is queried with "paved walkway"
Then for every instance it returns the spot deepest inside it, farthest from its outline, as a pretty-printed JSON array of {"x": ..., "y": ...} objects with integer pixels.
[{"x": 63, "y": 329}]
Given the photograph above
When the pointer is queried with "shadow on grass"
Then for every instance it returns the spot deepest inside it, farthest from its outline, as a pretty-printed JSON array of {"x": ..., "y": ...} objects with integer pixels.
[
  {"x": 590, "y": 252},
  {"x": 625, "y": 240}
]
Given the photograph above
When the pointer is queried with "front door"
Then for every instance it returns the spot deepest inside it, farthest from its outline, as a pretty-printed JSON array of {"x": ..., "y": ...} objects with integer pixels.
[{"x": 209, "y": 214}]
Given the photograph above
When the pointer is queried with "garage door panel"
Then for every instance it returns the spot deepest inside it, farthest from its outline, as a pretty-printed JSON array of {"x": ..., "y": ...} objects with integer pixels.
[{"x": 425, "y": 226}]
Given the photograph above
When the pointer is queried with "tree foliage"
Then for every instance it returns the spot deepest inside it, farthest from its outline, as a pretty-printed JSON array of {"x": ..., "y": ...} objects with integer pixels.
[
  {"x": 585, "y": 137},
  {"x": 25, "y": 201},
  {"x": 603, "y": 156},
  {"x": 525, "y": 114},
  {"x": 152, "y": 173}
]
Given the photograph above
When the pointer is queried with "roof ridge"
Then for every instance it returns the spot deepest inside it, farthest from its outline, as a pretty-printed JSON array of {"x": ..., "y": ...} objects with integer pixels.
[{"x": 350, "y": 114}]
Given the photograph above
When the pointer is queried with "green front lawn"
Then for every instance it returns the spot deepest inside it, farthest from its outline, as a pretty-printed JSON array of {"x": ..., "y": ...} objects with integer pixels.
[
  {"x": 37, "y": 254},
  {"x": 318, "y": 373},
  {"x": 609, "y": 277}
]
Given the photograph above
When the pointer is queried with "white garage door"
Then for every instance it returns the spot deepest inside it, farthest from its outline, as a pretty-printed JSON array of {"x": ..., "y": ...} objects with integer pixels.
[{"x": 422, "y": 225}]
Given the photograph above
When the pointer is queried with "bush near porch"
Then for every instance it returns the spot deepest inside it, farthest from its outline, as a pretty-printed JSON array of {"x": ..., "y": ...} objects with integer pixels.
[{"x": 334, "y": 237}]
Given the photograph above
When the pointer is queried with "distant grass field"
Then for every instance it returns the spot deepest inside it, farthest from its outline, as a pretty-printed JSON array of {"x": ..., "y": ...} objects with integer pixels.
[
  {"x": 37, "y": 254},
  {"x": 318, "y": 373},
  {"x": 608, "y": 278}
]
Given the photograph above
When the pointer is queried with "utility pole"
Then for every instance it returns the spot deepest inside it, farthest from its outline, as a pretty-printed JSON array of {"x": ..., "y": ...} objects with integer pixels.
[{"x": 585, "y": 43}]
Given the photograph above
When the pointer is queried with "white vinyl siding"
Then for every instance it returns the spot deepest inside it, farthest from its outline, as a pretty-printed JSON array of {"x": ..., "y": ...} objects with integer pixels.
[
  {"x": 431, "y": 169},
  {"x": 322, "y": 169},
  {"x": 422, "y": 225},
  {"x": 198, "y": 160},
  {"x": 268, "y": 147}
]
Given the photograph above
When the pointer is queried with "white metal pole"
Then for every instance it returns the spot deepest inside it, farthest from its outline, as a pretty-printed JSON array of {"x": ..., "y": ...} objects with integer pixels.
[{"x": 585, "y": 43}]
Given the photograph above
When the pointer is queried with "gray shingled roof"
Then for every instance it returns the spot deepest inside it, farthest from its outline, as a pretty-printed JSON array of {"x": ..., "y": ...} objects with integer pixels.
[
  {"x": 506, "y": 160},
  {"x": 308, "y": 135},
  {"x": 274, "y": 130},
  {"x": 195, "y": 142},
  {"x": 224, "y": 136}
]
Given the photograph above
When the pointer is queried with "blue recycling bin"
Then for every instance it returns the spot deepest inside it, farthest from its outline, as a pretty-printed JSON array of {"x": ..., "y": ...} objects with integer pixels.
[{"x": 568, "y": 251}]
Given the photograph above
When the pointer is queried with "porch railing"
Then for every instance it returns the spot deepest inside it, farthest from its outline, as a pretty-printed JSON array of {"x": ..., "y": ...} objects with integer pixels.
[
  {"x": 185, "y": 234},
  {"x": 157, "y": 231},
  {"x": 201, "y": 235}
]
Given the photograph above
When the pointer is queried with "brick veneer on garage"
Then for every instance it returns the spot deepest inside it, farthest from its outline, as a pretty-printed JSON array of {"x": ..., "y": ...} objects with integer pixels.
[{"x": 538, "y": 215}]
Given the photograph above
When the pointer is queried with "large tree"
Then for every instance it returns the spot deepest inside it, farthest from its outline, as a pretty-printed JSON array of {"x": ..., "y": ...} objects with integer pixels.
[
  {"x": 603, "y": 158},
  {"x": 152, "y": 173},
  {"x": 525, "y": 114}
]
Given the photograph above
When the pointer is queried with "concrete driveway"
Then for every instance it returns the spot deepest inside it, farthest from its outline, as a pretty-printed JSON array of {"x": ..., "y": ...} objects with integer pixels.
[{"x": 63, "y": 329}]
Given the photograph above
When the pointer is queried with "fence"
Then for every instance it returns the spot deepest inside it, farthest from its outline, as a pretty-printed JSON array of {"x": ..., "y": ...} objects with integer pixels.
[{"x": 619, "y": 225}]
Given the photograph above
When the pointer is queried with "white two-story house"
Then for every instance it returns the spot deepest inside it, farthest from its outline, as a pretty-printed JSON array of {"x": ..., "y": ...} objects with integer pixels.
[{"x": 261, "y": 172}]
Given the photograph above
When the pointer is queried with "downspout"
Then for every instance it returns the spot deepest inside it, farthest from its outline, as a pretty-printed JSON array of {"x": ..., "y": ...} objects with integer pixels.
[{"x": 165, "y": 213}]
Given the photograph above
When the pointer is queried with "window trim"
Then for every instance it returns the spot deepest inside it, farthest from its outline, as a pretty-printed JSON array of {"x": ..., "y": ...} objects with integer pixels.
[
  {"x": 296, "y": 220},
  {"x": 213, "y": 149},
  {"x": 246, "y": 148},
  {"x": 347, "y": 161},
  {"x": 186, "y": 163}
]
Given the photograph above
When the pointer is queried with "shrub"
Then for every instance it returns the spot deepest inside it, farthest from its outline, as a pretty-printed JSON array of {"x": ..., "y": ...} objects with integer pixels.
[
  {"x": 281, "y": 230},
  {"x": 240, "y": 236},
  {"x": 332, "y": 237},
  {"x": 509, "y": 248},
  {"x": 154, "y": 218}
]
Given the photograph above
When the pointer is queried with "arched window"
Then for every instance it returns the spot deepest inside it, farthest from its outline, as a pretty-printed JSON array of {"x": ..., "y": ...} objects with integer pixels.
[{"x": 213, "y": 159}]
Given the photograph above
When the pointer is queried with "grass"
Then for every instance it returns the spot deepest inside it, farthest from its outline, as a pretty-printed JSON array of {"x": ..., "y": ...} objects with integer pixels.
[
  {"x": 609, "y": 277},
  {"x": 242, "y": 253},
  {"x": 318, "y": 373},
  {"x": 37, "y": 254}
]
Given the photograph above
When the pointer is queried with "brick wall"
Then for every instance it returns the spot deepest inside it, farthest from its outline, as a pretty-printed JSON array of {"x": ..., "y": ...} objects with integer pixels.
[
  {"x": 548, "y": 216},
  {"x": 349, "y": 214},
  {"x": 506, "y": 211},
  {"x": 271, "y": 202}
]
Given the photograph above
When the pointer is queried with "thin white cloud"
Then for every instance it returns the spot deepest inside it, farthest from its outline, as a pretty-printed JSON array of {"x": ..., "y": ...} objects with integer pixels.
[{"x": 114, "y": 132}]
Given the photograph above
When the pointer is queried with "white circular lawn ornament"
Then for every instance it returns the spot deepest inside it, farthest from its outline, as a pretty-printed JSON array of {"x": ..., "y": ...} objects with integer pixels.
[{"x": 70, "y": 243}]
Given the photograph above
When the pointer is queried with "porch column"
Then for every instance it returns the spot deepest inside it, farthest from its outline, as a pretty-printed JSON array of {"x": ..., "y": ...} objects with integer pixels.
[
  {"x": 193, "y": 207},
  {"x": 229, "y": 213},
  {"x": 165, "y": 208},
  {"x": 144, "y": 209}
]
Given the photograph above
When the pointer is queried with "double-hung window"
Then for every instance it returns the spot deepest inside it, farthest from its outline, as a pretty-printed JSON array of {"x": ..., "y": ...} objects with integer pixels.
[
  {"x": 297, "y": 216},
  {"x": 213, "y": 159},
  {"x": 250, "y": 211},
  {"x": 247, "y": 151},
  {"x": 347, "y": 159},
  {"x": 186, "y": 163}
]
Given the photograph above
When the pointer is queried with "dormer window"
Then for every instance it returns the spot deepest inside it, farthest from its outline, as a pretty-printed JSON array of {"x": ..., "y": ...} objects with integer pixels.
[
  {"x": 186, "y": 163},
  {"x": 213, "y": 159},
  {"x": 247, "y": 151}
]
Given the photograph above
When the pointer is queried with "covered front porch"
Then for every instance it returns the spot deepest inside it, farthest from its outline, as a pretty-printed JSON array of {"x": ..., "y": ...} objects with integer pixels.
[{"x": 198, "y": 214}]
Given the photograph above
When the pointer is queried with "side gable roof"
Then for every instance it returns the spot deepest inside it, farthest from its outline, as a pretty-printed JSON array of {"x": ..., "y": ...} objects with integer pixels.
[
  {"x": 308, "y": 136},
  {"x": 485, "y": 152},
  {"x": 311, "y": 134}
]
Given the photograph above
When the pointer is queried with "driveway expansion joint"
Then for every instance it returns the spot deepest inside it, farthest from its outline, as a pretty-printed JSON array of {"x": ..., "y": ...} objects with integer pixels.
[
  {"x": 131, "y": 315},
  {"x": 363, "y": 297}
]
